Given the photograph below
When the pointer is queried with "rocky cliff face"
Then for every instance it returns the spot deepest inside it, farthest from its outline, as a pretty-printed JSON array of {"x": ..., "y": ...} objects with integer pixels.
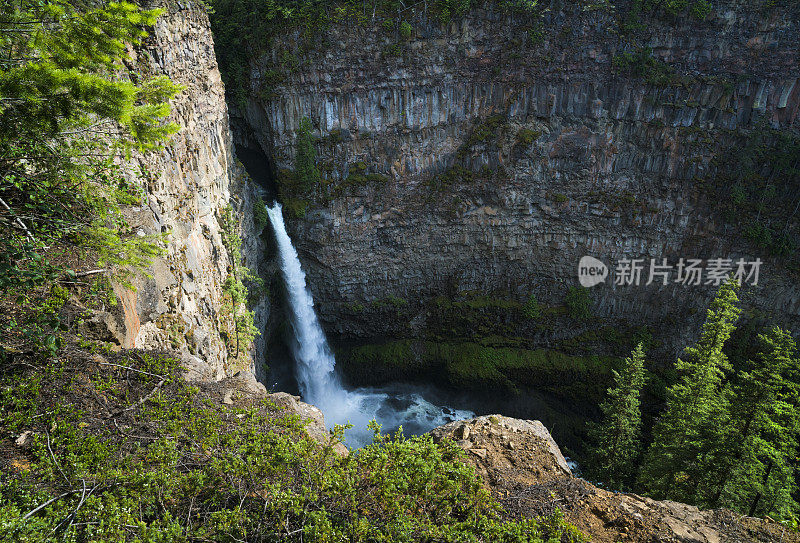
[
  {"x": 519, "y": 462},
  {"x": 512, "y": 152},
  {"x": 188, "y": 186}
]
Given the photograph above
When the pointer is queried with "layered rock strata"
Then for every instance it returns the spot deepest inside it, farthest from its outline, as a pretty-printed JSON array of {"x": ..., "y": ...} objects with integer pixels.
[{"x": 506, "y": 160}]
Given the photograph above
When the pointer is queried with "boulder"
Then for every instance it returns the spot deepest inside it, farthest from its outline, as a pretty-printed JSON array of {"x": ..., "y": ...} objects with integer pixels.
[
  {"x": 519, "y": 452},
  {"x": 197, "y": 369}
]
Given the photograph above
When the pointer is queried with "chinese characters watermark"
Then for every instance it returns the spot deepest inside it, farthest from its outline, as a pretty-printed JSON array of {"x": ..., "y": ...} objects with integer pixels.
[{"x": 689, "y": 271}]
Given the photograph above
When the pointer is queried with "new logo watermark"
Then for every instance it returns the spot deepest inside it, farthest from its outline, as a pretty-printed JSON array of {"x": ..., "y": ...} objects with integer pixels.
[
  {"x": 591, "y": 271},
  {"x": 689, "y": 271}
]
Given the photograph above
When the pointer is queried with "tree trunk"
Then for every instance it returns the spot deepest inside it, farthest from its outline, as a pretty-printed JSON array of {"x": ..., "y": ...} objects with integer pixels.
[{"x": 758, "y": 494}]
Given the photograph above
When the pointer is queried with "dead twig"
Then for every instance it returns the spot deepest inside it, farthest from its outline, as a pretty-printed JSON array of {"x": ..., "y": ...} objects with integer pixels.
[
  {"x": 132, "y": 369},
  {"x": 53, "y": 456},
  {"x": 17, "y": 220},
  {"x": 146, "y": 396},
  {"x": 90, "y": 272},
  {"x": 74, "y": 513},
  {"x": 131, "y": 436},
  {"x": 29, "y": 514}
]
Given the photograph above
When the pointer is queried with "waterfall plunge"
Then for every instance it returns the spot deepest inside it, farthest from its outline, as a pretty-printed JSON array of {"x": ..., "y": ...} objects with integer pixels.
[{"x": 319, "y": 384}]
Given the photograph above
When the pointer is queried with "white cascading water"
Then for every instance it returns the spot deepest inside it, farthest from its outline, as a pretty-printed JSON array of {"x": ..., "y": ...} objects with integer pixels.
[{"x": 319, "y": 384}]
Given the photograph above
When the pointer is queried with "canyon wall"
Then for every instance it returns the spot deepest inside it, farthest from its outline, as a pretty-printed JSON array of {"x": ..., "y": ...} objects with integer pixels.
[
  {"x": 512, "y": 146},
  {"x": 188, "y": 185}
]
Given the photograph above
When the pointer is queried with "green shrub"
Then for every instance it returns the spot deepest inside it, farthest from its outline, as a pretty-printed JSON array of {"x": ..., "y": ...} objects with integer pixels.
[
  {"x": 447, "y": 9},
  {"x": 397, "y": 301},
  {"x": 531, "y": 309},
  {"x": 395, "y": 50},
  {"x": 485, "y": 131},
  {"x": 295, "y": 208},
  {"x": 260, "y": 215},
  {"x": 535, "y": 36},
  {"x": 674, "y": 7},
  {"x": 579, "y": 303},
  {"x": 700, "y": 9},
  {"x": 305, "y": 167},
  {"x": 176, "y": 466},
  {"x": 406, "y": 30},
  {"x": 631, "y": 22},
  {"x": 642, "y": 63},
  {"x": 357, "y": 178},
  {"x": 451, "y": 176},
  {"x": 355, "y": 307},
  {"x": 238, "y": 322},
  {"x": 526, "y": 136}
]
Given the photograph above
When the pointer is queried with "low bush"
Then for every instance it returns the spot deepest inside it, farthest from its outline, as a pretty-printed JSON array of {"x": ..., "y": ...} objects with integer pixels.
[
  {"x": 121, "y": 449},
  {"x": 531, "y": 309}
]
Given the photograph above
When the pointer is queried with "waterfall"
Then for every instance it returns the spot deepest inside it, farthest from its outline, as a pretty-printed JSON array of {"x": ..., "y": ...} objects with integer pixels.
[
  {"x": 315, "y": 363},
  {"x": 314, "y": 358}
]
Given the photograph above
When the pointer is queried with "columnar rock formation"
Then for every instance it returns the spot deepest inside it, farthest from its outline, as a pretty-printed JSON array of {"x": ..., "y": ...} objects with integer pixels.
[
  {"x": 569, "y": 159},
  {"x": 558, "y": 154}
]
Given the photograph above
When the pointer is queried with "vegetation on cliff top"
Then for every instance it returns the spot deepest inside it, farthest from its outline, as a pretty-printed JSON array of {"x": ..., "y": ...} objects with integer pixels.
[
  {"x": 120, "y": 448},
  {"x": 70, "y": 113},
  {"x": 243, "y": 29}
]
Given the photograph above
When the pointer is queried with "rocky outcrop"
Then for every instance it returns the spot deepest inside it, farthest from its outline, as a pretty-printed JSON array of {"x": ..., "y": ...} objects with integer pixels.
[
  {"x": 187, "y": 187},
  {"x": 558, "y": 155},
  {"x": 242, "y": 389},
  {"x": 524, "y": 468},
  {"x": 507, "y": 451}
]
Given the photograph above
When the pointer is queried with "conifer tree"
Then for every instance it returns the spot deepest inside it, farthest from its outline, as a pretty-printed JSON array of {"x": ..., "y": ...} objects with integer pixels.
[
  {"x": 72, "y": 110},
  {"x": 754, "y": 471},
  {"x": 697, "y": 408},
  {"x": 70, "y": 113},
  {"x": 617, "y": 438}
]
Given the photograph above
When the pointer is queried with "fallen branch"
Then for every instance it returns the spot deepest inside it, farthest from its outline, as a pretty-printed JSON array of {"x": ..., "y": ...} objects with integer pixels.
[
  {"x": 130, "y": 436},
  {"x": 58, "y": 466},
  {"x": 145, "y": 397},
  {"x": 90, "y": 272},
  {"x": 18, "y": 221},
  {"x": 73, "y": 514},
  {"x": 132, "y": 369},
  {"x": 48, "y": 502}
]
